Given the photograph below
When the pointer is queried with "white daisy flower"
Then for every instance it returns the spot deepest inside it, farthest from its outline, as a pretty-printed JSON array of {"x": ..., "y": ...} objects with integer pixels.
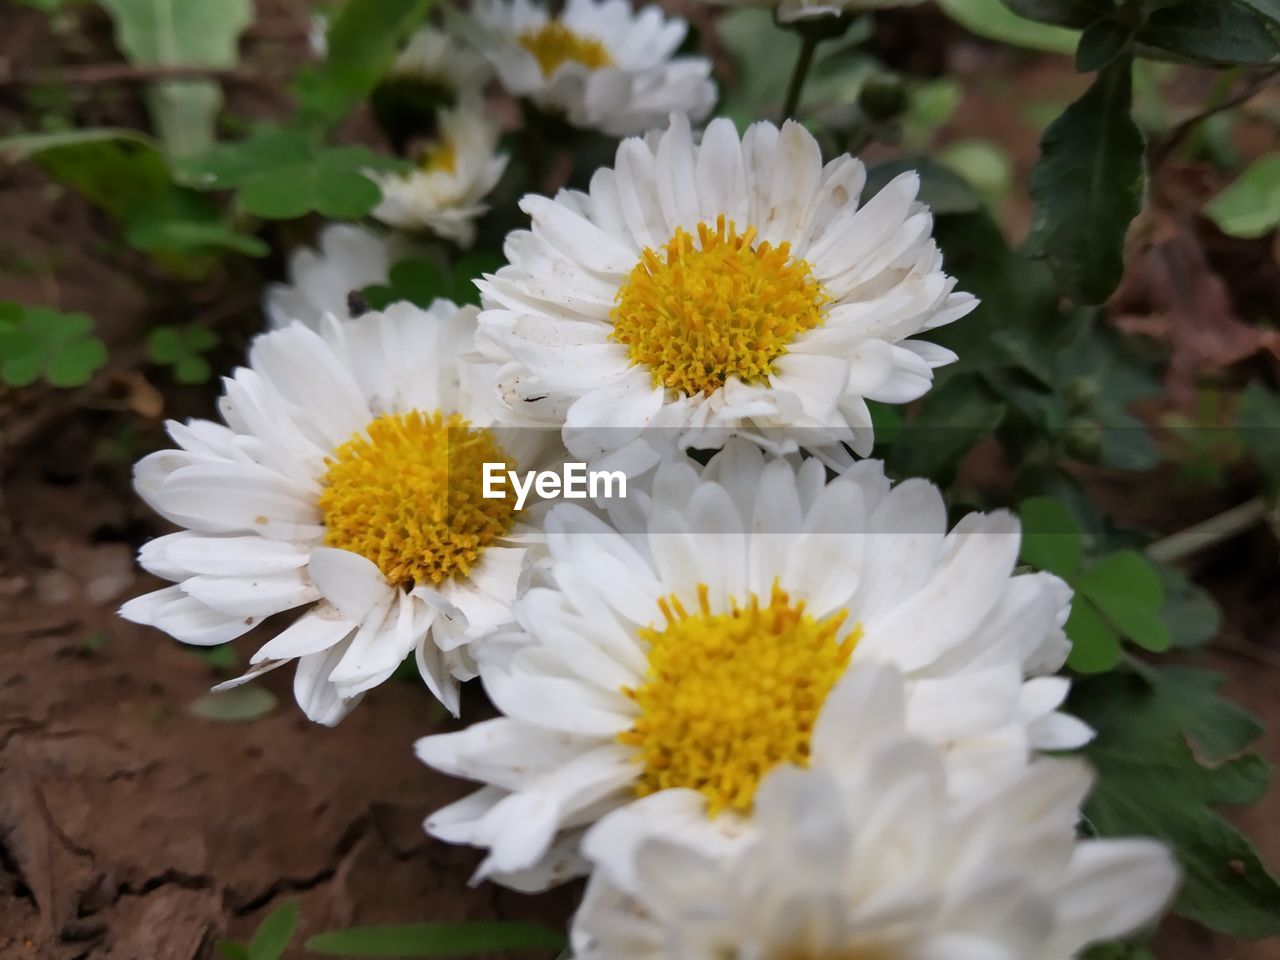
[
  {"x": 788, "y": 11},
  {"x": 441, "y": 60},
  {"x": 603, "y": 64},
  {"x": 708, "y": 643},
  {"x": 877, "y": 862},
  {"x": 346, "y": 481},
  {"x": 455, "y": 173},
  {"x": 729, "y": 286},
  {"x": 322, "y": 281}
]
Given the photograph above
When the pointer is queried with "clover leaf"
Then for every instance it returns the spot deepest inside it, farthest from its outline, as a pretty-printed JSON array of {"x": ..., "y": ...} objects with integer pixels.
[
  {"x": 181, "y": 349},
  {"x": 40, "y": 341}
]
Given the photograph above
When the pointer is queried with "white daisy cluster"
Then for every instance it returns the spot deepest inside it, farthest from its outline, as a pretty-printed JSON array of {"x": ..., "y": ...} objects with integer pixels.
[
  {"x": 773, "y": 703},
  {"x": 601, "y": 64},
  {"x": 460, "y": 164}
]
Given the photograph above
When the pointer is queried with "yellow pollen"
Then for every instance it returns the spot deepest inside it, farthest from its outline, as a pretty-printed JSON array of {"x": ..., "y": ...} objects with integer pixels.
[
  {"x": 440, "y": 157},
  {"x": 699, "y": 313},
  {"x": 729, "y": 696},
  {"x": 406, "y": 493},
  {"x": 858, "y": 952},
  {"x": 553, "y": 45}
]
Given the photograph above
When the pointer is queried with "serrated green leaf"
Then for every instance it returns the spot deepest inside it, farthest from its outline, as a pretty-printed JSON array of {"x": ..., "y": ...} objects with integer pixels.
[
  {"x": 1209, "y": 31},
  {"x": 1050, "y": 536},
  {"x": 273, "y": 934},
  {"x": 181, "y": 33},
  {"x": 1250, "y": 207},
  {"x": 1095, "y": 645},
  {"x": 1125, "y": 587},
  {"x": 1087, "y": 187},
  {"x": 1151, "y": 784},
  {"x": 994, "y": 20},
  {"x": 435, "y": 939}
]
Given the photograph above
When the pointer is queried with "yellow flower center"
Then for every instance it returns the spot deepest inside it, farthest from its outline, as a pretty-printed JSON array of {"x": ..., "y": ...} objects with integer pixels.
[
  {"x": 699, "y": 313},
  {"x": 861, "y": 952},
  {"x": 407, "y": 493},
  {"x": 553, "y": 45},
  {"x": 729, "y": 696},
  {"x": 441, "y": 157}
]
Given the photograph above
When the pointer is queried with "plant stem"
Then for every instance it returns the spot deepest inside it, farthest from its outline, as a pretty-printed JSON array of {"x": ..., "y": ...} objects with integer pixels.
[
  {"x": 1207, "y": 533},
  {"x": 808, "y": 44}
]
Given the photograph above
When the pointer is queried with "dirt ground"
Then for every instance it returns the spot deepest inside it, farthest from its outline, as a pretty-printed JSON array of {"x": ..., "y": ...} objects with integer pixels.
[{"x": 134, "y": 829}]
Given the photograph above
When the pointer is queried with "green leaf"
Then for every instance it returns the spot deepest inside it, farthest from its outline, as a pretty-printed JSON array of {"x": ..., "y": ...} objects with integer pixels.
[
  {"x": 1062, "y": 13},
  {"x": 1270, "y": 9},
  {"x": 1257, "y": 418},
  {"x": 230, "y": 950},
  {"x": 1126, "y": 588},
  {"x": 124, "y": 174},
  {"x": 1095, "y": 646},
  {"x": 1087, "y": 187},
  {"x": 181, "y": 349},
  {"x": 949, "y": 422},
  {"x": 470, "y": 268},
  {"x": 1209, "y": 31},
  {"x": 284, "y": 173},
  {"x": 153, "y": 234},
  {"x": 995, "y": 21},
  {"x": 273, "y": 934},
  {"x": 112, "y": 169},
  {"x": 1250, "y": 207},
  {"x": 1190, "y": 613},
  {"x": 182, "y": 33},
  {"x": 1050, "y": 536},
  {"x": 1150, "y": 783},
  {"x": 39, "y": 341},
  {"x": 420, "y": 281},
  {"x": 363, "y": 39},
  {"x": 1101, "y": 43},
  {"x": 237, "y": 705},
  {"x": 435, "y": 939}
]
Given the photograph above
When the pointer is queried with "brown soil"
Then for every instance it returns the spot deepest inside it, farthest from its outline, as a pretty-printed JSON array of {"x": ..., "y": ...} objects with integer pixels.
[{"x": 132, "y": 829}]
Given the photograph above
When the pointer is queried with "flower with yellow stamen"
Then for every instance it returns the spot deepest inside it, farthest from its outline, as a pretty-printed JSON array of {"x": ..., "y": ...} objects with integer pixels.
[
  {"x": 666, "y": 666},
  {"x": 874, "y": 861},
  {"x": 445, "y": 193},
  {"x": 600, "y": 64},
  {"x": 347, "y": 481},
  {"x": 732, "y": 286}
]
